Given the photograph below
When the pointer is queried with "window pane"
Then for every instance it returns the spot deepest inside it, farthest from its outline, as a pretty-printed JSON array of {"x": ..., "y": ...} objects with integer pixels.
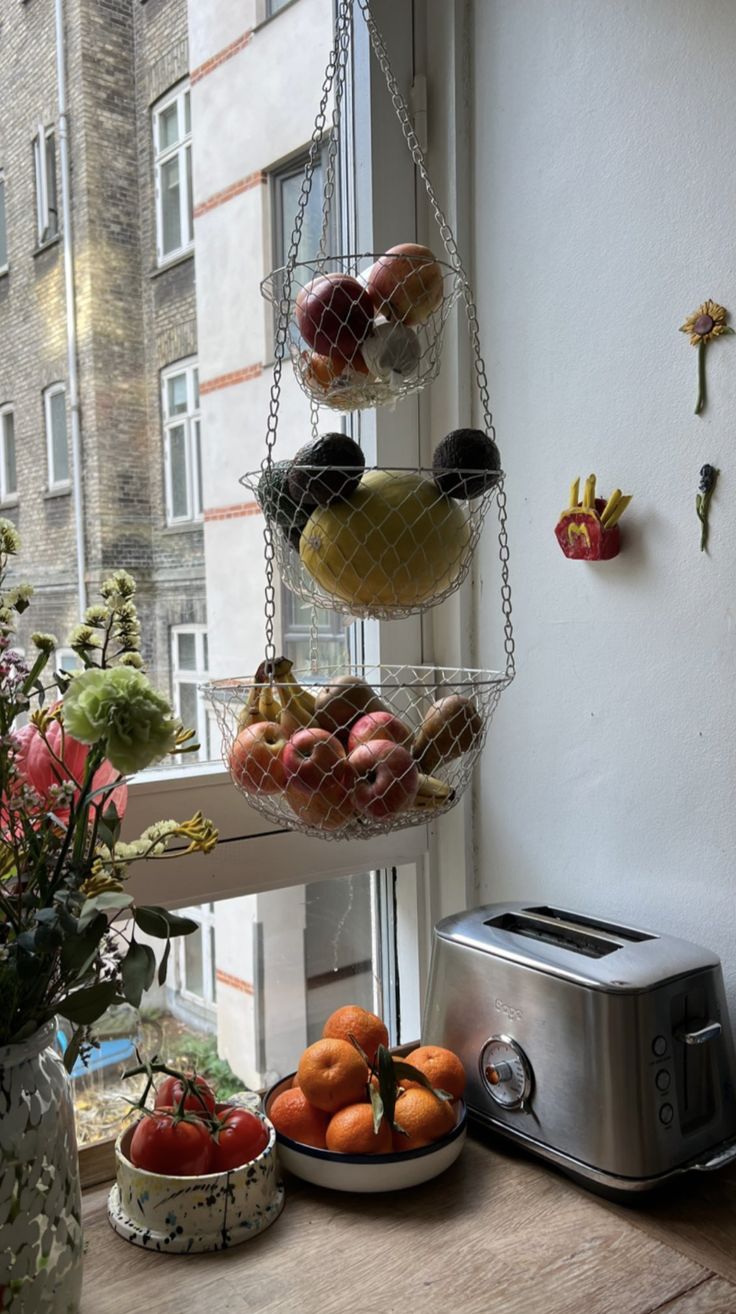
[
  {"x": 59, "y": 446},
  {"x": 176, "y": 394},
  {"x": 187, "y": 114},
  {"x": 178, "y": 463},
  {"x": 170, "y": 206},
  {"x": 53, "y": 215},
  {"x": 193, "y": 964},
  {"x": 291, "y": 187},
  {"x": 190, "y": 192},
  {"x": 10, "y": 479},
  {"x": 168, "y": 126},
  {"x": 186, "y": 648},
  {"x": 198, "y": 468},
  {"x": 3, "y": 230}
]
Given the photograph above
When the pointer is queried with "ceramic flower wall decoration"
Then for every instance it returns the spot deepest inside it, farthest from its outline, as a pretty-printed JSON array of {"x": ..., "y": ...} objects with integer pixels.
[
  {"x": 708, "y": 478},
  {"x": 705, "y": 324},
  {"x": 588, "y": 530}
]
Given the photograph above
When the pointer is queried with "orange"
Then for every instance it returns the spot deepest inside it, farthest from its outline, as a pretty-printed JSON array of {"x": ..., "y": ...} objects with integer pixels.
[
  {"x": 424, "y": 1116},
  {"x": 443, "y": 1068},
  {"x": 293, "y": 1116},
  {"x": 332, "y": 1074},
  {"x": 351, "y": 1132},
  {"x": 369, "y": 1030}
]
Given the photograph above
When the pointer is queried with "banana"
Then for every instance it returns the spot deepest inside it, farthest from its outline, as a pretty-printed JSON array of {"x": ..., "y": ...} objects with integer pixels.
[
  {"x": 250, "y": 713},
  {"x": 298, "y": 702},
  {"x": 432, "y": 794},
  {"x": 269, "y": 707}
]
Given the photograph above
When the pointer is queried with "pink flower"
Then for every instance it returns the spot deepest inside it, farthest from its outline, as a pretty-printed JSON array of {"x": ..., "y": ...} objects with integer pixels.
[{"x": 37, "y": 764}]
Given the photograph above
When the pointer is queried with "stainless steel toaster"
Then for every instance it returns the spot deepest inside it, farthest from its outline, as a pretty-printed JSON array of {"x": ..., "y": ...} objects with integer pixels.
[{"x": 604, "y": 1048}]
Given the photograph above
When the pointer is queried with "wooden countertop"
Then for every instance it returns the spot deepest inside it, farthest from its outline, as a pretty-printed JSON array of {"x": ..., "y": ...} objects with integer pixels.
[{"x": 497, "y": 1234}]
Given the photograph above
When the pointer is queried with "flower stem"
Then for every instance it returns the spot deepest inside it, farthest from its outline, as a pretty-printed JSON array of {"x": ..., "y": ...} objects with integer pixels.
[{"x": 700, "y": 403}]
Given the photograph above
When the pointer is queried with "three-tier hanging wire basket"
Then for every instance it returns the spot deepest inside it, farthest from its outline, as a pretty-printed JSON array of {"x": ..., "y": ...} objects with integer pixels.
[{"x": 361, "y": 750}]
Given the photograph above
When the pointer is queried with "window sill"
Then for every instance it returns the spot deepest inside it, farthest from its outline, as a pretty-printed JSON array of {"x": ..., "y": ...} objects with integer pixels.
[
  {"x": 46, "y": 246},
  {"x": 270, "y": 17},
  {"x": 5, "y": 271},
  {"x": 179, "y": 259},
  {"x": 186, "y": 527},
  {"x": 7, "y": 503},
  {"x": 60, "y": 490}
]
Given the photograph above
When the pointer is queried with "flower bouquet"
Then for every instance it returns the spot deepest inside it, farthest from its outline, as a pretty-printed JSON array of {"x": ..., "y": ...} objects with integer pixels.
[{"x": 68, "y": 925}]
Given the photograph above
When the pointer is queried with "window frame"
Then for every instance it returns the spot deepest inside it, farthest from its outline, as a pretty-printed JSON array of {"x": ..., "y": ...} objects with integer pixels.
[
  {"x": 191, "y": 421},
  {"x": 4, "y": 264},
  {"x": 8, "y": 497},
  {"x": 204, "y": 915},
  {"x": 182, "y": 150},
  {"x": 195, "y": 675},
  {"x": 55, "y": 485},
  {"x": 44, "y": 177}
]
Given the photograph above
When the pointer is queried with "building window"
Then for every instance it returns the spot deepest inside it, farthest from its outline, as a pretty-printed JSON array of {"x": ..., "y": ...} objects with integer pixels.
[
  {"x": 3, "y": 227},
  {"x": 197, "y": 970},
  {"x": 172, "y": 149},
  {"x": 182, "y": 451},
  {"x": 273, "y": 6},
  {"x": 189, "y": 663},
  {"x": 8, "y": 475},
  {"x": 44, "y": 160},
  {"x": 286, "y": 186},
  {"x": 57, "y": 444}
]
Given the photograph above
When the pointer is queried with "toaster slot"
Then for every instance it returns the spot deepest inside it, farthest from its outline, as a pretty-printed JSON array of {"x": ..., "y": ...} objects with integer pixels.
[
  {"x": 592, "y": 924},
  {"x": 575, "y": 938}
]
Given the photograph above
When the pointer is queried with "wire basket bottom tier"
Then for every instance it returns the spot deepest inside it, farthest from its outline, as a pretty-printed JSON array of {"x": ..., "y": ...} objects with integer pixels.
[
  {"x": 387, "y": 543},
  {"x": 349, "y": 753}
]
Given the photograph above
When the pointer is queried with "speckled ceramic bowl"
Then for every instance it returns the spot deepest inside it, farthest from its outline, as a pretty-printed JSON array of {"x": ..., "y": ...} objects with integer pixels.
[
  {"x": 369, "y": 1172},
  {"x": 187, "y": 1215}
]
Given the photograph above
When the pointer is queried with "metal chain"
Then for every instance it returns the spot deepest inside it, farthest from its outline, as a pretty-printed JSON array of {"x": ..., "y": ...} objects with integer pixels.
[
  {"x": 417, "y": 155},
  {"x": 313, "y": 641},
  {"x": 346, "y": 40},
  {"x": 342, "y": 29}
]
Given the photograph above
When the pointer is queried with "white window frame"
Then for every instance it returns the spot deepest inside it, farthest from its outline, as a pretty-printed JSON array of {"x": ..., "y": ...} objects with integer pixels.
[
  {"x": 44, "y": 210},
  {"x": 182, "y": 149},
  {"x": 191, "y": 420},
  {"x": 8, "y": 496},
  {"x": 196, "y": 675},
  {"x": 4, "y": 264},
  {"x": 204, "y": 915},
  {"x": 54, "y": 484}
]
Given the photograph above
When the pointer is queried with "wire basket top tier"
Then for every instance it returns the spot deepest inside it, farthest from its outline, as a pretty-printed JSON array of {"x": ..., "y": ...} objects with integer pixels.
[
  {"x": 365, "y": 330},
  {"x": 386, "y": 544},
  {"x": 346, "y": 753}
]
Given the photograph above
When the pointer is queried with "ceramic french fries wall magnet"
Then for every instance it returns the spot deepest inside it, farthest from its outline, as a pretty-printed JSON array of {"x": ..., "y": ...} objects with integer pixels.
[
  {"x": 708, "y": 479},
  {"x": 587, "y": 529},
  {"x": 705, "y": 324}
]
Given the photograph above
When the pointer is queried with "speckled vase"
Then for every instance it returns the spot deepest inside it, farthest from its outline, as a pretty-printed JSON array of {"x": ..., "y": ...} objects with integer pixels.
[{"x": 40, "y": 1205}]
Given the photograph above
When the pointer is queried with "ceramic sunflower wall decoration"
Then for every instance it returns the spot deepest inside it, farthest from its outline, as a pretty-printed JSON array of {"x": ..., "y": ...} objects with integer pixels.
[{"x": 705, "y": 324}]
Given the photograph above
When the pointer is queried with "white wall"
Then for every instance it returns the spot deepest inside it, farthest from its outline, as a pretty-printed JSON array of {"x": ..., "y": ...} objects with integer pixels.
[{"x": 605, "y": 211}]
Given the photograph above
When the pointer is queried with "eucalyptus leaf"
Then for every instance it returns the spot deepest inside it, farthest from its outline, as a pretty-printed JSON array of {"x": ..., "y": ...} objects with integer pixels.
[
  {"x": 85, "y": 1006},
  {"x": 138, "y": 971},
  {"x": 106, "y": 902},
  {"x": 71, "y": 1053},
  {"x": 78, "y": 950},
  {"x": 164, "y": 963},
  {"x": 161, "y": 923}
]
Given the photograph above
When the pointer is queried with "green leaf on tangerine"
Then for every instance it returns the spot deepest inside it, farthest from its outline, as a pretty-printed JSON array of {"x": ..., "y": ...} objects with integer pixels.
[{"x": 377, "y": 1105}]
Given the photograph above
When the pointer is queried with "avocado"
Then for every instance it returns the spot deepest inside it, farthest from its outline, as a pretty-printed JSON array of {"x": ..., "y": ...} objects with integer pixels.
[
  {"x": 278, "y": 505},
  {"x": 327, "y": 470},
  {"x": 466, "y": 463}
]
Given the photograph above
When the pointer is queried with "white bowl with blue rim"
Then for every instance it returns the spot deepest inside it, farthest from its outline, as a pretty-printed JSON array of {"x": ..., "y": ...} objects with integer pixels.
[
  {"x": 369, "y": 1172},
  {"x": 189, "y": 1215}
]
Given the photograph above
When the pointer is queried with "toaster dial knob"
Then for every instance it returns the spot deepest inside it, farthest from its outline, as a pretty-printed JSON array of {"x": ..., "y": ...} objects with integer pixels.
[{"x": 505, "y": 1072}]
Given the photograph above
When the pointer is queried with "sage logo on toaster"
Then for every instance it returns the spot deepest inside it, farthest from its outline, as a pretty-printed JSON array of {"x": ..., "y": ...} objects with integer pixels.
[{"x": 513, "y": 1014}]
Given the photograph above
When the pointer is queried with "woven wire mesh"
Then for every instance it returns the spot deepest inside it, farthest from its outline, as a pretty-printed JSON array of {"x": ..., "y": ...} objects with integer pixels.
[
  {"x": 345, "y": 754},
  {"x": 365, "y": 330},
  {"x": 382, "y": 543}
]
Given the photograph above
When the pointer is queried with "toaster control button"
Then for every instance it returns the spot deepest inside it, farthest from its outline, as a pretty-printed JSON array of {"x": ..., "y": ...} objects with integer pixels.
[
  {"x": 659, "y": 1046},
  {"x": 666, "y": 1114},
  {"x": 663, "y": 1080}
]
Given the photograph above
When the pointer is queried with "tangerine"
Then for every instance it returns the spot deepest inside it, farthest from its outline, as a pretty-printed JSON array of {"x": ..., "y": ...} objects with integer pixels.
[
  {"x": 443, "y": 1068},
  {"x": 350, "y": 1131},
  {"x": 423, "y": 1116},
  {"x": 331, "y": 1074},
  {"x": 293, "y": 1116},
  {"x": 368, "y": 1029}
]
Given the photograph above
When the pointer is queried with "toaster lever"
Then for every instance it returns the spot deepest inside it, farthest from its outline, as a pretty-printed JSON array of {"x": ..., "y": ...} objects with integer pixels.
[{"x": 698, "y": 1036}]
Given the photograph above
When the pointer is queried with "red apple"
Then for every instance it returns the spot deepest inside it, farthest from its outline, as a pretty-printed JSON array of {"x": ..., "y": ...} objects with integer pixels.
[
  {"x": 334, "y": 313},
  {"x": 257, "y": 758},
  {"x": 386, "y": 778},
  {"x": 378, "y": 725},
  {"x": 315, "y": 761},
  {"x": 328, "y": 810}
]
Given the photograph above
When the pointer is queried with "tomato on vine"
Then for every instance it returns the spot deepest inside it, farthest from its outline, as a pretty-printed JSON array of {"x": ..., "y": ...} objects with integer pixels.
[
  {"x": 164, "y": 1143},
  {"x": 179, "y": 1093},
  {"x": 241, "y": 1137}
]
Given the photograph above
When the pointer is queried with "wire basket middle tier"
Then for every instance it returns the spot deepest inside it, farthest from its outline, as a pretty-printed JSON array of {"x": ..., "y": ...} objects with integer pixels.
[
  {"x": 365, "y": 330},
  {"x": 387, "y": 542},
  {"x": 348, "y": 753}
]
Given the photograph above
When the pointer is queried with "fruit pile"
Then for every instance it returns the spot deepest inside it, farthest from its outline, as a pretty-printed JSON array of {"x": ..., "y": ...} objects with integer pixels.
[
  {"x": 349, "y": 1095},
  {"x": 379, "y": 539},
  {"x": 186, "y": 1132},
  {"x": 373, "y": 331},
  {"x": 341, "y": 756}
]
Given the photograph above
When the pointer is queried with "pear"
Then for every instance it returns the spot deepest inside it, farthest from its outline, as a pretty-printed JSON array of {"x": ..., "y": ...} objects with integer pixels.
[
  {"x": 451, "y": 727},
  {"x": 339, "y": 704}
]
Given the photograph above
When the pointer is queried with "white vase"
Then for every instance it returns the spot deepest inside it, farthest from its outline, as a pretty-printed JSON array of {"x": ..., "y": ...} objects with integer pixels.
[{"x": 40, "y": 1204}]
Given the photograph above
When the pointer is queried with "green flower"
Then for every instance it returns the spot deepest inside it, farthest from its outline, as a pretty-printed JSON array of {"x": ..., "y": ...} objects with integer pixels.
[
  {"x": 118, "y": 708},
  {"x": 44, "y": 642}
]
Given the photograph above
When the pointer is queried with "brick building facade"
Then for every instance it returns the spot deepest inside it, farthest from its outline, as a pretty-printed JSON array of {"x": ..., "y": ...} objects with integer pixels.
[{"x": 135, "y": 312}]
